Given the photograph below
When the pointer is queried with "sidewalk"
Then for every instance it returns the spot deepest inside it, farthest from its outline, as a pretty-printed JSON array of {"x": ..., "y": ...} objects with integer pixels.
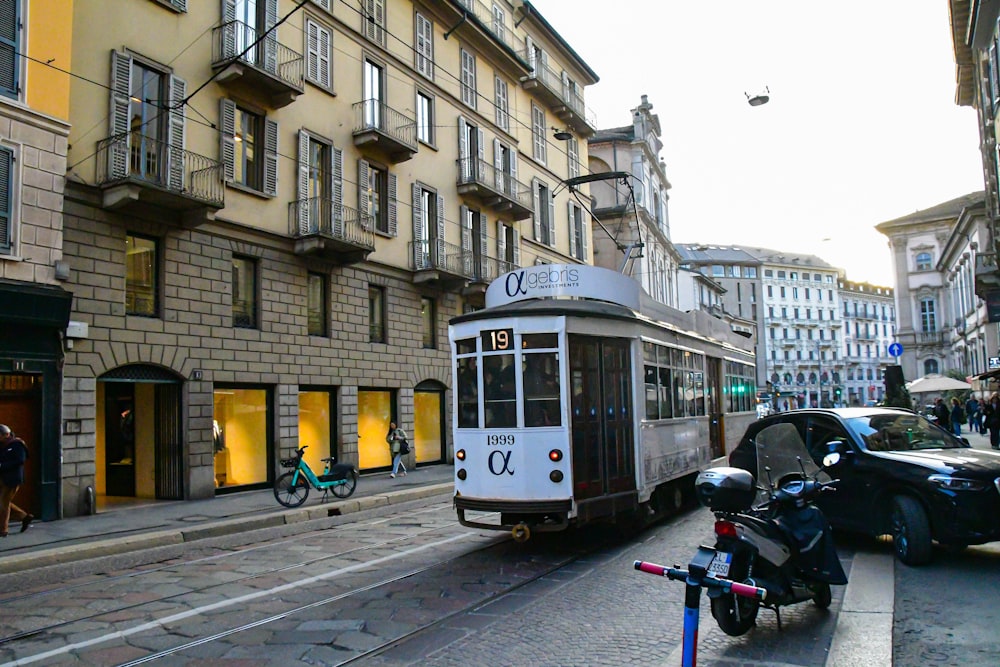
[{"x": 138, "y": 526}]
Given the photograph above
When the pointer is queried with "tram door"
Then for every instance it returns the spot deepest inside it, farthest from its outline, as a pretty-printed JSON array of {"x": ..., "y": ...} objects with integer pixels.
[
  {"x": 716, "y": 423},
  {"x": 601, "y": 419}
]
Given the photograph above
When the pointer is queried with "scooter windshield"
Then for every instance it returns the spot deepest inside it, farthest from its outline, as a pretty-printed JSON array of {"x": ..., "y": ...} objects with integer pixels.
[{"x": 780, "y": 452}]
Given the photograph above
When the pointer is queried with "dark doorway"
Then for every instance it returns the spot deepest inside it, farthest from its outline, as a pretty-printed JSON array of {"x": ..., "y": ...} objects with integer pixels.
[
  {"x": 119, "y": 438},
  {"x": 20, "y": 409}
]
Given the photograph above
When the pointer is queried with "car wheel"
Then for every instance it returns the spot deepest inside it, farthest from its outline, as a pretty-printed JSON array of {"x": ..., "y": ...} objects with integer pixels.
[{"x": 911, "y": 532}]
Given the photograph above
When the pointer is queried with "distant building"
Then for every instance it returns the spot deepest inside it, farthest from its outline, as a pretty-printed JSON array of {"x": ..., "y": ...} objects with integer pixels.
[{"x": 869, "y": 317}]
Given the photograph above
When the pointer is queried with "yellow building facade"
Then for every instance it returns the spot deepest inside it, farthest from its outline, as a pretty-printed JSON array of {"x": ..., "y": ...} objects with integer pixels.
[{"x": 273, "y": 208}]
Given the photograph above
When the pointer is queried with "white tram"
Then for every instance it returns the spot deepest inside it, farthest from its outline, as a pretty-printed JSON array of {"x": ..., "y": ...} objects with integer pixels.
[{"x": 577, "y": 398}]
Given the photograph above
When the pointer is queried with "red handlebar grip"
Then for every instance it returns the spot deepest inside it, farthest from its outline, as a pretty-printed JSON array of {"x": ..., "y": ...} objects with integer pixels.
[
  {"x": 651, "y": 568},
  {"x": 748, "y": 591}
]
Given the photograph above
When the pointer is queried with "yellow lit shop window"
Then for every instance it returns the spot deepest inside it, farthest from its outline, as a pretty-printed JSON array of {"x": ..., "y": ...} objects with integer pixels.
[
  {"x": 374, "y": 413},
  {"x": 314, "y": 427},
  {"x": 240, "y": 436},
  {"x": 427, "y": 427}
]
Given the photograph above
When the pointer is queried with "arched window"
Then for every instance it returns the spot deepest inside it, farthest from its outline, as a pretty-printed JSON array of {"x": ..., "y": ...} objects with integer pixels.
[
  {"x": 801, "y": 378},
  {"x": 774, "y": 378},
  {"x": 812, "y": 378},
  {"x": 788, "y": 378},
  {"x": 924, "y": 261},
  {"x": 930, "y": 366}
]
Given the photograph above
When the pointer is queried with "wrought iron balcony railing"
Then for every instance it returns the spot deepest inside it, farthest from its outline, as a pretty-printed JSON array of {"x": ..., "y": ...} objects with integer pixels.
[
  {"x": 141, "y": 159},
  {"x": 496, "y": 188},
  {"x": 392, "y": 131},
  {"x": 231, "y": 39},
  {"x": 499, "y": 26},
  {"x": 437, "y": 254},
  {"x": 320, "y": 216}
]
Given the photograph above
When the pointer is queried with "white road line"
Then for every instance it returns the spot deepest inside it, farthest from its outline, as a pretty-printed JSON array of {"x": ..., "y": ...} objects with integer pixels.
[{"x": 222, "y": 604}]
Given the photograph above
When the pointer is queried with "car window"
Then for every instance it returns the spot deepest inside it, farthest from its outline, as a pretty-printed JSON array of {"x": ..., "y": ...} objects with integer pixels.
[
  {"x": 899, "y": 432},
  {"x": 821, "y": 431}
]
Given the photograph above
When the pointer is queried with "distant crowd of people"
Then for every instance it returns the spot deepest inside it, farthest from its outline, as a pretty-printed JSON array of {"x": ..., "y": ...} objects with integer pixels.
[{"x": 981, "y": 417}]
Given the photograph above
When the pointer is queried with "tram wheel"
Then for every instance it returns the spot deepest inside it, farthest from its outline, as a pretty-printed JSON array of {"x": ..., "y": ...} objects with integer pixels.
[{"x": 521, "y": 533}]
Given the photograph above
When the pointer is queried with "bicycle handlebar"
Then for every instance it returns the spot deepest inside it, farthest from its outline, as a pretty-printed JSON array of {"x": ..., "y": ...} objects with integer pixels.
[{"x": 708, "y": 581}]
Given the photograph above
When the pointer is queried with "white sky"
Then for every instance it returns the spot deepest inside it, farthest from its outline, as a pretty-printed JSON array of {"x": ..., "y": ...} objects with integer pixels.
[{"x": 861, "y": 127}]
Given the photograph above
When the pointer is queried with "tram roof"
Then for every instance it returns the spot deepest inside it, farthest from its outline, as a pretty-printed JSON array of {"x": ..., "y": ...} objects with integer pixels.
[{"x": 541, "y": 307}]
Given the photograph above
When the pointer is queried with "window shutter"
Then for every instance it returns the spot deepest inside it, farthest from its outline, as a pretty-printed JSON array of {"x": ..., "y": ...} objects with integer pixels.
[
  {"x": 181, "y": 5},
  {"x": 312, "y": 50},
  {"x": 565, "y": 87},
  {"x": 480, "y": 146},
  {"x": 501, "y": 242},
  {"x": 425, "y": 46},
  {"x": 584, "y": 228},
  {"x": 230, "y": 28},
  {"x": 325, "y": 55},
  {"x": 10, "y": 46},
  {"x": 6, "y": 207},
  {"x": 337, "y": 193},
  {"x": 325, "y": 4},
  {"x": 439, "y": 241},
  {"x": 270, "y": 42},
  {"x": 513, "y": 171},
  {"x": 484, "y": 235},
  {"x": 121, "y": 88},
  {"x": 392, "y": 204},
  {"x": 227, "y": 138},
  {"x": 573, "y": 155},
  {"x": 516, "y": 254},
  {"x": 465, "y": 225},
  {"x": 529, "y": 47},
  {"x": 364, "y": 203},
  {"x": 570, "y": 206},
  {"x": 537, "y": 203},
  {"x": 270, "y": 157},
  {"x": 175, "y": 134},
  {"x": 498, "y": 166},
  {"x": 420, "y": 246},
  {"x": 463, "y": 150},
  {"x": 302, "y": 194},
  {"x": 552, "y": 221}
]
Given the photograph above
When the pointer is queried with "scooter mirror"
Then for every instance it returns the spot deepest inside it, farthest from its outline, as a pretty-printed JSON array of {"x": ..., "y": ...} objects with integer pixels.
[{"x": 831, "y": 459}]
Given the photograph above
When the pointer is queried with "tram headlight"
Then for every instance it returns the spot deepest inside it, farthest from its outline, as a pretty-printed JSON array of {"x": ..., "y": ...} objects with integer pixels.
[
  {"x": 461, "y": 474},
  {"x": 555, "y": 455},
  {"x": 460, "y": 455},
  {"x": 556, "y": 476}
]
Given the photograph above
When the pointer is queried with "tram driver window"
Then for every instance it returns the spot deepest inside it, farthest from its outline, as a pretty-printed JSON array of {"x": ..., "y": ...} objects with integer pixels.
[
  {"x": 499, "y": 391},
  {"x": 541, "y": 389},
  {"x": 468, "y": 393}
]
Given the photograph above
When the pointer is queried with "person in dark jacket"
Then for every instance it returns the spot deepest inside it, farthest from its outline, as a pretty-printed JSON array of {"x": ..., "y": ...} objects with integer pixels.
[
  {"x": 13, "y": 454},
  {"x": 957, "y": 416},
  {"x": 991, "y": 417},
  {"x": 942, "y": 415}
]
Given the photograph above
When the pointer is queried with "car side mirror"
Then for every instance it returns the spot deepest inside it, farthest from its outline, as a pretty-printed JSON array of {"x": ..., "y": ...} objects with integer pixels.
[{"x": 831, "y": 459}]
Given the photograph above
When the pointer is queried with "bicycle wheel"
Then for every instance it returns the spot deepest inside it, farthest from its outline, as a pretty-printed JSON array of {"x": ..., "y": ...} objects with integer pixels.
[
  {"x": 288, "y": 495},
  {"x": 347, "y": 488}
]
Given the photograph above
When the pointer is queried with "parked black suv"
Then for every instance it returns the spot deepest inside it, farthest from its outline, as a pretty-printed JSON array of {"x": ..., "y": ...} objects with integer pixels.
[{"x": 899, "y": 474}]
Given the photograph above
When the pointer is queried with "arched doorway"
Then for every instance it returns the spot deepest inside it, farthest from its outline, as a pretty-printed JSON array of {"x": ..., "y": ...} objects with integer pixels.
[
  {"x": 430, "y": 443},
  {"x": 140, "y": 451}
]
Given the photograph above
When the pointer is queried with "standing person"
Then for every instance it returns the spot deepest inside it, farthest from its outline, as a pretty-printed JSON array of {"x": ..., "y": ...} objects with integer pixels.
[
  {"x": 972, "y": 413},
  {"x": 957, "y": 417},
  {"x": 396, "y": 437},
  {"x": 941, "y": 414},
  {"x": 992, "y": 420},
  {"x": 13, "y": 454}
]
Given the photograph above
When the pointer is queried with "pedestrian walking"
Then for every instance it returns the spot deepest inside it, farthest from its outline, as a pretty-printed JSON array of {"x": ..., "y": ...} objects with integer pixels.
[
  {"x": 972, "y": 413},
  {"x": 13, "y": 454},
  {"x": 992, "y": 420},
  {"x": 957, "y": 417},
  {"x": 396, "y": 437},
  {"x": 941, "y": 414}
]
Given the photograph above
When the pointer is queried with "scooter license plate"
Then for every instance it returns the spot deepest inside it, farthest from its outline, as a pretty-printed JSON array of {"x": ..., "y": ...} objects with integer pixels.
[{"x": 720, "y": 564}]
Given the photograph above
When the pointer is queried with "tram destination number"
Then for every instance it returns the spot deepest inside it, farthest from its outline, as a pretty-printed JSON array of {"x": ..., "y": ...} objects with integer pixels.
[{"x": 495, "y": 340}]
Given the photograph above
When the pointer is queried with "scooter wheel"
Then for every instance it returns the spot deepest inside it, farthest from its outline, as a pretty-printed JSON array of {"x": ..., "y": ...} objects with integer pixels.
[
  {"x": 822, "y": 595},
  {"x": 735, "y": 614}
]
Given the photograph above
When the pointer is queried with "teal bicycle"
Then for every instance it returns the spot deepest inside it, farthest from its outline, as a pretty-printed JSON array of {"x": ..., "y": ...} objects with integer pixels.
[{"x": 292, "y": 488}]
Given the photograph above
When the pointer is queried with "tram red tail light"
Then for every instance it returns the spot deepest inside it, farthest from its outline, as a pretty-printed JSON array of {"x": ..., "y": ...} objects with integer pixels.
[
  {"x": 555, "y": 455},
  {"x": 725, "y": 529},
  {"x": 460, "y": 455}
]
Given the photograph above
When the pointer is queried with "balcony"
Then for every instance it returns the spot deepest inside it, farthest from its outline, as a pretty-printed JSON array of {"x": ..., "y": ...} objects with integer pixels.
[
  {"x": 485, "y": 270},
  {"x": 566, "y": 102},
  {"x": 987, "y": 275},
  {"x": 265, "y": 70},
  {"x": 494, "y": 188},
  {"x": 493, "y": 34},
  {"x": 329, "y": 232},
  {"x": 929, "y": 338},
  {"x": 136, "y": 173},
  {"x": 437, "y": 262},
  {"x": 384, "y": 130}
]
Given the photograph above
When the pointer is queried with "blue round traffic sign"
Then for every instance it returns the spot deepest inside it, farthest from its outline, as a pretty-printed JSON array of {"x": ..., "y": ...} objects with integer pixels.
[{"x": 896, "y": 350}]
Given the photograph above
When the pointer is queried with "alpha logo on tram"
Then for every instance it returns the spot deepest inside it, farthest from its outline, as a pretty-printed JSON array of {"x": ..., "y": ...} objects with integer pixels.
[
  {"x": 519, "y": 282},
  {"x": 499, "y": 462}
]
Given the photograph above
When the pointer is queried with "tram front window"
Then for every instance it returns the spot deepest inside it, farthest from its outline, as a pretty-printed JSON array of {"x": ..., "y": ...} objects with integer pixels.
[
  {"x": 541, "y": 389},
  {"x": 468, "y": 393},
  {"x": 499, "y": 391}
]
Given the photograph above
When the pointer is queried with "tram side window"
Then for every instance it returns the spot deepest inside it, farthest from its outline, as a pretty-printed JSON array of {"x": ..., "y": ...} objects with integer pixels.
[
  {"x": 499, "y": 391},
  {"x": 468, "y": 393},
  {"x": 541, "y": 389}
]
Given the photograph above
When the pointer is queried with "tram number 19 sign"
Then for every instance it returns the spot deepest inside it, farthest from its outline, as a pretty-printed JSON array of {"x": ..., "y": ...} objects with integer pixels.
[{"x": 498, "y": 340}]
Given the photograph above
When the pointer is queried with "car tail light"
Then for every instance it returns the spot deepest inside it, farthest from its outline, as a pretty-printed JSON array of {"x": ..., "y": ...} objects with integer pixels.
[{"x": 725, "y": 529}]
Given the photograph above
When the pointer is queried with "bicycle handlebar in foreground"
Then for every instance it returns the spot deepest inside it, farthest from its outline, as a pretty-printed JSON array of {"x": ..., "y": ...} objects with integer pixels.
[{"x": 707, "y": 581}]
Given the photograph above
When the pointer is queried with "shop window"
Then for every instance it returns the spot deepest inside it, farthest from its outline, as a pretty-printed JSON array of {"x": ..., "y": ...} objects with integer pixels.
[
  {"x": 241, "y": 440},
  {"x": 316, "y": 426},
  {"x": 376, "y": 314},
  {"x": 140, "y": 276}
]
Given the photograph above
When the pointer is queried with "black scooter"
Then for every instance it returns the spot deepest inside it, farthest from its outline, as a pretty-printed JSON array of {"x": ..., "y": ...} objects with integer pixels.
[{"x": 771, "y": 537}]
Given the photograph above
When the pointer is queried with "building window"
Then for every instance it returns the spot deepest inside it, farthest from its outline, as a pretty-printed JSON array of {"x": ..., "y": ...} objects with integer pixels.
[
  {"x": 718, "y": 270},
  {"x": 751, "y": 272},
  {"x": 924, "y": 261},
  {"x": 577, "y": 232},
  {"x": 425, "y": 118},
  {"x": 316, "y": 300},
  {"x": 573, "y": 157},
  {"x": 373, "y": 19},
  {"x": 376, "y": 314},
  {"x": 468, "y": 79},
  {"x": 243, "y": 448},
  {"x": 373, "y": 85},
  {"x": 428, "y": 319},
  {"x": 502, "y": 105},
  {"x": 538, "y": 143},
  {"x": 244, "y": 134},
  {"x": 928, "y": 323},
  {"x": 244, "y": 293},
  {"x": 377, "y": 196},
  {"x": 930, "y": 366},
  {"x": 8, "y": 190},
  {"x": 499, "y": 22},
  {"x": 424, "y": 46},
  {"x": 10, "y": 48},
  {"x": 140, "y": 276},
  {"x": 319, "y": 52},
  {"x": 544, "y": 208}
]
